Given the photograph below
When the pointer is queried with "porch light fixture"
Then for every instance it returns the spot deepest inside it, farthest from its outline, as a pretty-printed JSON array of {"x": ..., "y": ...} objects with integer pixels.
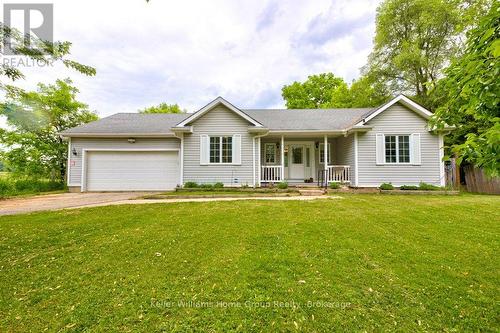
[
  {"x": 131, "y": 140},
  {"x": 277, "y": 145},
  {"x": 74, "y": 152},
  {"x": 316, "y": 144}
]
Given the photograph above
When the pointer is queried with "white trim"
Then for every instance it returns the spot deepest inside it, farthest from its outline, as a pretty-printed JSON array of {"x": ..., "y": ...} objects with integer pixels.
[
  {"x": 211, "y": 105},
  {"x": 325, "y": 153},
  {"x": 253, "y": 161},
  {"x": 118, "y": 135},
  {"x": 259, "y": 159},
  {"x": 402, "y": 99},
  {"x": 282, "y": 157},
  {"x": 329, "y": 148},
  {"x": 68, "y": 166},
  {"x": 397, "y": 150},
  {"x": 181, "y": 157},
  {"x": 220, "y": 148},
  {"x": 355, "y": 159},
  {"x": 83, "y": 186},
  {"x": 442, "y": 179}
]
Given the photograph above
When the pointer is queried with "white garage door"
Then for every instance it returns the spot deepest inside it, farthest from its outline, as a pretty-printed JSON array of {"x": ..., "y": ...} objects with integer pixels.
[{"x": 131, "y": 170}]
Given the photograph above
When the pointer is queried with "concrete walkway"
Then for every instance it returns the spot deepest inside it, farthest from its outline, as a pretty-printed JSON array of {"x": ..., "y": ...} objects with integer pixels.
[{"x": 84, "y": 200}]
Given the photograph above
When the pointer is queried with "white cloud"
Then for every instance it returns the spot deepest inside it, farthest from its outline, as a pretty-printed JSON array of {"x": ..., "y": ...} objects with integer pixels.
[{"x": 188, "y": 52}]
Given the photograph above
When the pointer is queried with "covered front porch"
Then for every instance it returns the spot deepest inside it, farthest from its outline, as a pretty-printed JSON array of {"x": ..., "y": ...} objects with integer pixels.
[{"x": 303, "y": 160}]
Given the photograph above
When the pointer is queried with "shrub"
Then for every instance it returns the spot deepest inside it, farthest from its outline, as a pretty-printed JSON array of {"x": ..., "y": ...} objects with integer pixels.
[
  {"x": 408, "y": 187},
  {"x": 12, "y": 187},
  {"x": 386, "y": 186},
  {"x": 334, "y": 186},
  {"x": 190, "y": 185},
  {"x": 218, "y": 185},
  {"x": 206, "y": 186},
  {"x": 282, "y": 185},
  {"x": 427, "y": 187}
]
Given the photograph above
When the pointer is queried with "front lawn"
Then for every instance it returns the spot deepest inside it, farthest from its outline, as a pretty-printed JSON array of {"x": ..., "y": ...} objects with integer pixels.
[{"x": 364, "y": 262}]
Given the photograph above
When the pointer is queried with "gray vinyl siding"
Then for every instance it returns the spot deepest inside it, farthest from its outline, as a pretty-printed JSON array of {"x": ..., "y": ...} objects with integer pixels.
[
  {"x": 219, "y": 121},
  {"x": 75, "y": 171},
  {"x": 397, "y": 119},
  {"x": 343, "y": 151}
]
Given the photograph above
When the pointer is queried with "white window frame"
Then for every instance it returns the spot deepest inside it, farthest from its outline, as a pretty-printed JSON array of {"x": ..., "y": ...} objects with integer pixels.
[
  {"x": 322, "y": 154},
  {"x": 220, "y": 148},
  {"x": 397, "y": 149},
  {"x": 275, "y": 156}
]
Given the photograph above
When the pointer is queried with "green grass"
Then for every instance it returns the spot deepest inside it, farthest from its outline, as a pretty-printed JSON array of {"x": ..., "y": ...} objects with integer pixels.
[
  {"x": 217, "y": 194},
  {"x": 369, "y": 262},
  {"x": 13, "y": 187}
]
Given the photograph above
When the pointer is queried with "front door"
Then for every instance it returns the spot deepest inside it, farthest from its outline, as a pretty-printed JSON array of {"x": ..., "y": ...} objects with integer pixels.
[{"x": 296, "y": 162}]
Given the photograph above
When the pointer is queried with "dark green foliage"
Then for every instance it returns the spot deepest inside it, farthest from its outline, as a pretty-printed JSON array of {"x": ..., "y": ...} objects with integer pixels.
[
  {"x": 386, "y": 186},
  {"x": 473, "y": 86},
  {"x": 163, "y": 108},
  {"x": 427, "y": 187},
  {"x": 190, "y": 185},
  {"x": 10, "y": 187},
  {"x": 219, "y": 185},
  {"x": 282, "y": 185},
  {"x": 32, "y": 145},
  {"x": 335, "y": 186},
  {"x": 408, "y": 187}
]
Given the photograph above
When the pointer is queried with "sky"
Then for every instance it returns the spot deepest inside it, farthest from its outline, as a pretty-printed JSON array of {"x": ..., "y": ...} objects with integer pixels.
[{"x": 189, "y": 52}]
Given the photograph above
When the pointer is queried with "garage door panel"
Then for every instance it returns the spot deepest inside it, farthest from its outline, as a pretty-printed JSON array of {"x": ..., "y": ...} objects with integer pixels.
[{"x": 123, "y": 171}]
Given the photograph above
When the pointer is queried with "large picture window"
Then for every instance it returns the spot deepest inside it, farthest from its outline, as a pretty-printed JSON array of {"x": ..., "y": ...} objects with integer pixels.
[
  {"x": 397, "y": 149},
  {"x": 221, "y": 149},
  {"x": 270, "y": 153}
]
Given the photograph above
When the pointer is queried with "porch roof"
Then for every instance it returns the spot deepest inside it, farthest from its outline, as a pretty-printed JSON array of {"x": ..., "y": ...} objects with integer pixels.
[{"x": 308, "y": 119}]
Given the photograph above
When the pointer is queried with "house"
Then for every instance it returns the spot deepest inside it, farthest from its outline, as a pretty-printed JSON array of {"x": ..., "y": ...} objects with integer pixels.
[{"x": 223, "y": 143}]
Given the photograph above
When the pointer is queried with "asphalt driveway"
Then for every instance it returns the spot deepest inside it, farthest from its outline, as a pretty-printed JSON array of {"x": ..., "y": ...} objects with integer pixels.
[{"x": 62, "y": 200}]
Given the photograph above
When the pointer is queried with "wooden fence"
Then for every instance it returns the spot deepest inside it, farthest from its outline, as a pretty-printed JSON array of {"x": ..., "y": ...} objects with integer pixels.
[{"x": 477, "y": 181}]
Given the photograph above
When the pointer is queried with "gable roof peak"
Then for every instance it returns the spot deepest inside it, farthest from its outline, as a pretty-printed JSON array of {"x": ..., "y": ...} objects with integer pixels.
[{"x": 212, "y": 105}]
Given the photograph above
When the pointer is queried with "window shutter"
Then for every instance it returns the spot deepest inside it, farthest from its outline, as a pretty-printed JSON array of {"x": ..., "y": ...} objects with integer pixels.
[
  {"x": 380, "y": 148},
  {"x": 415, "y": 156},
  {"x": 204, "y": 149},
  {"x": 237, "y": 149}
]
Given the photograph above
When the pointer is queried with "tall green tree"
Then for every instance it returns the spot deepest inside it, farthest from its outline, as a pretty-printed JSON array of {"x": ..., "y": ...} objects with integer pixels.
[
  {"x": 32, "y": 145},
  {"x": 364, "y": 92},
  {"x": 416, "y": 39},
  {"x": 314, "y": 93},
  {"x": 473, "y": 87},
  {"x": 163, "y": 108}
]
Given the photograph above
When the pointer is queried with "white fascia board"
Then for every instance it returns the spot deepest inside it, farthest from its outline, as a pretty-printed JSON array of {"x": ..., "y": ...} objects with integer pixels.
[
  {"x": 211, "y": 105},
  {"x": 403, "y": 100}
]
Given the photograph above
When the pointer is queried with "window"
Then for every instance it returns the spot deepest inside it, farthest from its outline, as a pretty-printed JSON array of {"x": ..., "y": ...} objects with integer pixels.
[
  {"x": 221, "y": 149},
  {"x": 322, "y": 153},
  {"x": 397, "y": 149},
  {"x": 270, "y": 153},
  {"x": 296, "y": 155},
  {"x": 286, "y": 157}
]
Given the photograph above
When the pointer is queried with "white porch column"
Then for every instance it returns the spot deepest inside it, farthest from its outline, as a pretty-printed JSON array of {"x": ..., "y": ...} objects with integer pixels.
[
  {"x": 325, "y": 152},
  {"x": 259, "y": 162},
  {"x": 282, "y": 158}
]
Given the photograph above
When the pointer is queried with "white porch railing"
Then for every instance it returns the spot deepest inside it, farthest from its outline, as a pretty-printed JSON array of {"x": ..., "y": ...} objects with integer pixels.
[
  {"x": 338, "y": 174},
  {"x": 270, "y": 173}
]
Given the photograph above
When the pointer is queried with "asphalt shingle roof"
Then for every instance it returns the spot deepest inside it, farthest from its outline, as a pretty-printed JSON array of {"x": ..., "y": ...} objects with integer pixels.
[
  {"x": 130, "y": 123},
  {"x": 303, "y": 119},
  {"x": 308, "y": 119}
]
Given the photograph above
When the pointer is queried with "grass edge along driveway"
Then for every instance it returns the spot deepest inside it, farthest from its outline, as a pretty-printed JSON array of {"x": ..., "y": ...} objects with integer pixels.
[{"x": 367, "y": 262}]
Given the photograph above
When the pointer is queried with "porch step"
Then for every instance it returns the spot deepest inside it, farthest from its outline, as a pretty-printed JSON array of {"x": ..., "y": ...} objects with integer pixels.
[{"x": 311, "y": 192}]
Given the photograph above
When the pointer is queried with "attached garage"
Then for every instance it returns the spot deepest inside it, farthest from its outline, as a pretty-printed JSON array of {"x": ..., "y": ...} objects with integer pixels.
[{"x": 138, "y": 170}]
